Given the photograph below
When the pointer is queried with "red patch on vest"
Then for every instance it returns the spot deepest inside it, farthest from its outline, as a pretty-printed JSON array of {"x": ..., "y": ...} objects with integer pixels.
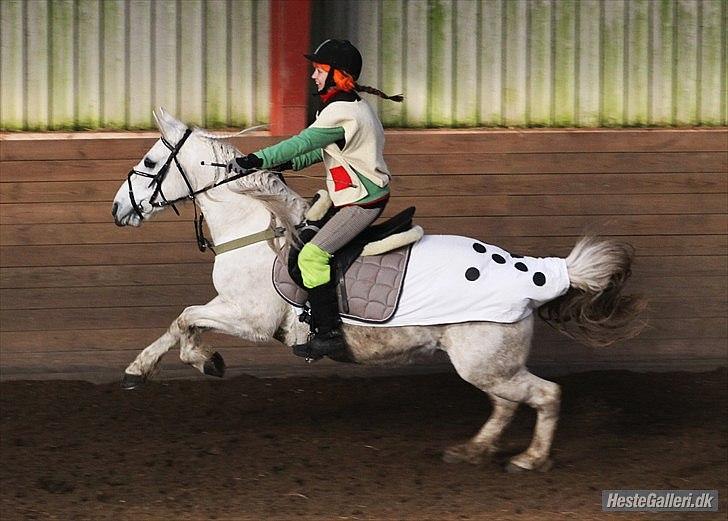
[{"x": 341, "y": 178}]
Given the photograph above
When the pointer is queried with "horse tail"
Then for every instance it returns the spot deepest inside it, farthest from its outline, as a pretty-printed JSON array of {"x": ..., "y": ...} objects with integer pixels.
[{"x": 594, "y": 311}]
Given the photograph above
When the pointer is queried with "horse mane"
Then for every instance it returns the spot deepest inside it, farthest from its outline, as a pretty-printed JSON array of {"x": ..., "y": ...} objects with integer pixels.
[{"x": 286, "y": 206}]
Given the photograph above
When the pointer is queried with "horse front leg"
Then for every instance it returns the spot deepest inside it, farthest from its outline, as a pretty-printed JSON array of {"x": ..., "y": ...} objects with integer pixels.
[
  {"x": 147, "y": 362},
  {"x": 185, "y": 330}
]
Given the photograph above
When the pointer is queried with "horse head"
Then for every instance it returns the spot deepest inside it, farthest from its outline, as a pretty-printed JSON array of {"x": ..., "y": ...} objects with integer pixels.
[{"x": 167, "y": 173}]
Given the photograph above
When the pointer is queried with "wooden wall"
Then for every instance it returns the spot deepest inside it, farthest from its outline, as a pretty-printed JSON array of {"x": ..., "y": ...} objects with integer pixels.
[{"x": 80, "y": 294}]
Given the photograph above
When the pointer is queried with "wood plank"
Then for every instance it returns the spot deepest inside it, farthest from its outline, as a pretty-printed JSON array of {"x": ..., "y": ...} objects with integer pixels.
[
  {"x": 693, "y": 301},
  {"x": 184, "y": 273},
  {"x": 547, "y": 345},
  {"x": 101, "y": 276},
  {"x": 162, "y": 232},
  {"x": 633, "y": 351},
  {"x": 162, "y": 316},
  {"x": 433, "y": 206},
  {"x": 90, "y": 255},
  {"x": 187, "y": 252},
  {"x": 526, "y": 163},
  {"x": 106, "y": 297},
  {"x": 432, "y": 141},
  {"x": 96, "y": 339},
  {"x": 422, "y": 185}
]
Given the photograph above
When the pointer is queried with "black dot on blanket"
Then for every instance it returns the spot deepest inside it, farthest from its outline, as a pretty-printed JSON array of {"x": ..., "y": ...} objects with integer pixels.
[
  {"x": 478, "y": 247},
  {"x": 499, "y": 259},
  {"x": 472, "y": 274},
  {"x": 539, "y": 278},
  {"x": 521, "y": 267}
]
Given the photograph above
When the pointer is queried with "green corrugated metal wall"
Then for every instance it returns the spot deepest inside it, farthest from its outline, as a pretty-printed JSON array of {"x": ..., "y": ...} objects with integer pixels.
[
  {"x": 88, "y": 64},
  {"x": 106, "y": 64}
]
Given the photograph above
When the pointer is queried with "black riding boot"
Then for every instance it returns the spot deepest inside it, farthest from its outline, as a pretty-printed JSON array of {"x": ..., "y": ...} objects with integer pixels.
[{"x": 325, "y": 314}]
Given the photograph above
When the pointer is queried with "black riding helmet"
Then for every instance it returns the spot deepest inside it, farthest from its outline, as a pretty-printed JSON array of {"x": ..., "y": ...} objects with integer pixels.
[{"x": 338, "y": 54}]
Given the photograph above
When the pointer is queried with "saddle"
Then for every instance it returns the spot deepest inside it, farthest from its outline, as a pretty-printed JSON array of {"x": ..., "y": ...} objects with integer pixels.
[{"x": 369, "y": 271}]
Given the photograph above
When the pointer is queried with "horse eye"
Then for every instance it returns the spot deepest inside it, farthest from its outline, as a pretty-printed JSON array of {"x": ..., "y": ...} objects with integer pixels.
[{"x": 149, "y": 163}]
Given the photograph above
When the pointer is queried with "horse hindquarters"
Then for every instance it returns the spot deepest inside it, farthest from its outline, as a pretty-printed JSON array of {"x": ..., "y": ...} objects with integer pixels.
[{"x": 492, "y": 357}]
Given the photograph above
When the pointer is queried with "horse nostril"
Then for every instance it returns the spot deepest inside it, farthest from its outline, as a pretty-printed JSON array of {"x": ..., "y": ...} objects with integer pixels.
[{"x": 114, "y": 208}]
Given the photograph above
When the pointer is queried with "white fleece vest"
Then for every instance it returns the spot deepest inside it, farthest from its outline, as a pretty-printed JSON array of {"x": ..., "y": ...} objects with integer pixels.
[{"x": 363, "y": 152}]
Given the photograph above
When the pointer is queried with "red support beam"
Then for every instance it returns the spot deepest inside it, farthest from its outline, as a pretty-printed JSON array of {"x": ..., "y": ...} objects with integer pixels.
[{"x": 290, "y": 38}]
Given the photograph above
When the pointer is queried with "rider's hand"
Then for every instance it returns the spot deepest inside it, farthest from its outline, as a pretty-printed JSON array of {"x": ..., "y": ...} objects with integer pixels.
[{"x": 241, "y": 165}]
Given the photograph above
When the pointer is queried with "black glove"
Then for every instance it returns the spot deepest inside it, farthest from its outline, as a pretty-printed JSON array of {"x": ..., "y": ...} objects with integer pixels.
[
  {"x": 241, "y": 165},
  {"x": 288, "y": 165}
]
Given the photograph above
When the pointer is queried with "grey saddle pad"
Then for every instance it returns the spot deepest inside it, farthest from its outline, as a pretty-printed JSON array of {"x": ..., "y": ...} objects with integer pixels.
[{"x": 372, "y": 286}]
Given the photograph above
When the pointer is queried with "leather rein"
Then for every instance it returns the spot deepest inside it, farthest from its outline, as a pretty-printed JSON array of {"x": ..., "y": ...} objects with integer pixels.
[{"x": 158, "y": 200}]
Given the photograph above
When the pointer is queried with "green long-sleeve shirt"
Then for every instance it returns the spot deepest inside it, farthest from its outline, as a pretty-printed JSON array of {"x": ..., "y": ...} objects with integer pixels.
[{"x": 304, "y": 150}]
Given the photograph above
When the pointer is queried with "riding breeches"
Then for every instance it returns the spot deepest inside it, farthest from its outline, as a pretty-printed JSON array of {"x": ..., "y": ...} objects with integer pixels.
[{"x": 341, "y": 229}]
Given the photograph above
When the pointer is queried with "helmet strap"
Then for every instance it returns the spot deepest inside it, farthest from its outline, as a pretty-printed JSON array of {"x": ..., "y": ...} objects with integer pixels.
[{"x": 329, "y": 83}]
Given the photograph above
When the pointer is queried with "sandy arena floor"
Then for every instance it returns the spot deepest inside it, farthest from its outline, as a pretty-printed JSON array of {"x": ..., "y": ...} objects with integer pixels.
[{"x": 354, "y": 448}]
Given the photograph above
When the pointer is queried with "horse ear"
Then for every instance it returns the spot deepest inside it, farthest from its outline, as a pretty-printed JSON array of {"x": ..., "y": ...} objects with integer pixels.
[{"x": 168, "y": 125}]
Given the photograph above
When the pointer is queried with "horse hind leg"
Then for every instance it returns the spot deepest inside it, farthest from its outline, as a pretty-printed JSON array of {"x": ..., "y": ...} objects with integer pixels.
[
  {"x": 545, "y": 398},
  {"x": 487, "y": 438}
]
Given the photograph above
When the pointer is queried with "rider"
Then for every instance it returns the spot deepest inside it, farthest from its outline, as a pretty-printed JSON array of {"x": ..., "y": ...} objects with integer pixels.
[{"x": 348, "y": 137}]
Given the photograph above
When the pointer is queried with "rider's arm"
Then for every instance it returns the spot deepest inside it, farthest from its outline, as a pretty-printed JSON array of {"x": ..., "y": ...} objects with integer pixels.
[
  {"x": 307, "y": 159},
  {"x": 304, "y": 144}
]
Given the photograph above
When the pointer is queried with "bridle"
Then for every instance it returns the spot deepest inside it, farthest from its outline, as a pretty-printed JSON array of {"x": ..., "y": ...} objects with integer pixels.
[{"x": 159, "y": 200}]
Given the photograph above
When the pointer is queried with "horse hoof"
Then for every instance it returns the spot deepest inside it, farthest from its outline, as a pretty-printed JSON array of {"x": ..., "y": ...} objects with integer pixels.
[
  {"x": 512, "y": 468},
  {"x": 215, "y": 365},
  {"x": 132, "y": 381}
]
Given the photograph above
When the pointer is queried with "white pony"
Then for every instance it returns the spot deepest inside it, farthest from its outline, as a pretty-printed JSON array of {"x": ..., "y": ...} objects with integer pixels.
[{"x": 489, "y": 355}]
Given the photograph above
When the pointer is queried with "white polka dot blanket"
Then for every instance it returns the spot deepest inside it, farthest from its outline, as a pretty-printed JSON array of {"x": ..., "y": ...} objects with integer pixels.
[{"x": 453, "y": 279}]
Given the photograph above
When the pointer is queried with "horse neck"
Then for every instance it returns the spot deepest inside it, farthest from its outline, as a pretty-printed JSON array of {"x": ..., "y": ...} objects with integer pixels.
[{"x": 230, "y": 216}]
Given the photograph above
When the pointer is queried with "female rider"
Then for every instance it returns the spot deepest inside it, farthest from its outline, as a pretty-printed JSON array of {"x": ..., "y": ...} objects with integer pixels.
[{"x": 348, "y": 137}]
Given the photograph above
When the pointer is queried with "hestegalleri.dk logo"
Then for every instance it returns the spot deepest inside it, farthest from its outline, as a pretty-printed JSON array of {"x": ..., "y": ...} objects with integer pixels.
[{"x": 659, "y": 500}]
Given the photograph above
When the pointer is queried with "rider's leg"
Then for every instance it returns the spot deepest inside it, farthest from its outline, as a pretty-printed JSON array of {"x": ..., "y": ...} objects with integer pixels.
[{"x": 313, "y": 261}]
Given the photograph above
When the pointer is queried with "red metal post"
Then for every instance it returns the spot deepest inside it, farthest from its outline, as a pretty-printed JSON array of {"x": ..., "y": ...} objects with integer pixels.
[{"x": 290, "y": 38}]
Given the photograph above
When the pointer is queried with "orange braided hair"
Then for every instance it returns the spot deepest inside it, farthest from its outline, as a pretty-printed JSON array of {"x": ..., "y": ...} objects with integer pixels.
[{"x": 344, "y": 81}]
